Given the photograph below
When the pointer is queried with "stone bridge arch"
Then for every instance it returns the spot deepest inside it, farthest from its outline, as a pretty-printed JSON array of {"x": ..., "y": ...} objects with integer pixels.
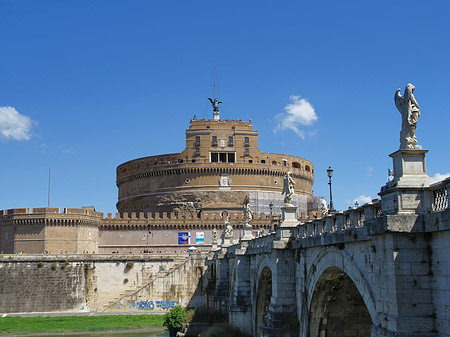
[
  {"x": 337, "y": 290},
  {"x": 262, "y": 292}
]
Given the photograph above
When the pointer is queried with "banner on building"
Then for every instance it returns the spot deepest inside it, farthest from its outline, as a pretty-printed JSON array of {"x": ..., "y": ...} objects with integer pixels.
[
  {"x": 184, "y": 238},
  {"x": 200, "y": 238}
]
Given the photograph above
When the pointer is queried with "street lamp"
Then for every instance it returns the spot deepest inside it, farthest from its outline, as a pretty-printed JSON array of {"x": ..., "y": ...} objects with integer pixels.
[
  {"x": 148, "y": 233},
  {"x": 271, "y": 215},
  {"x": 330, "y": 174}
]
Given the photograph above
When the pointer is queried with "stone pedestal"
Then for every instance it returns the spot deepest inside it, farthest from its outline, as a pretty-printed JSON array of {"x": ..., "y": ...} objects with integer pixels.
[
  {"x": 247, "y": 233},
  {"x": 227, "y": 241},
  {"x": 288, "y": 222},
  {"x": 405, "y": 194},
  {"x": 289, "y": 216},
  {"x": 410, "y": 168}
]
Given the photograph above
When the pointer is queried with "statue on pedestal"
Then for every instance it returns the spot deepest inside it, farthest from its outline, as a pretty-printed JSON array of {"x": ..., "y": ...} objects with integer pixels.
[
  {"x": 409, "y": 108},
  {"x": 215, "y": 104},
  {"x": 214, "y": 236},
  {"x": 288, "y": 189},
  {"x": 248, "y": 213},
  {"x": 324, "y": 207},
  {"x": 228, "y": 231}
]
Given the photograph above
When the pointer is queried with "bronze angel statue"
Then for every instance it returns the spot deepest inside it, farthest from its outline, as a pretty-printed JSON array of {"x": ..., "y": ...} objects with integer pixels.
[{"x": 215, "y": 103}]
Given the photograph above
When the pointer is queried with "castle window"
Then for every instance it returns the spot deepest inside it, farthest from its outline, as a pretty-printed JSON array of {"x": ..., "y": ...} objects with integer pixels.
[
  {"x": 274, "y": 162},
  {"x": 296, "y": 165},
  {"x": 246, "y": 140},
  {"x": 197, "y": 140},
  {"x": 250, "y": 161},
  {"x": 214, "y": 139},
  {"x": 307, "y": 168},
  {"x": 223, "y": 157},
  {"x": 193, "y": 160},
  {"x": 263, "y": 161},
  {"x": 230, "y": 139},
  {"x": 284, "y": 162},
  {"x": 180, "y": 161}
]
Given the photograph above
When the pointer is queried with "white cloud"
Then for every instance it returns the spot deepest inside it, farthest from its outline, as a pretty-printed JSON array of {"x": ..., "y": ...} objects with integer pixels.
[
  {"x": 369, "y": 171},
  {"x": 298, "y": 113},
  {"x": 362, "y": 199},
  {"x": 13, "y": 125},
  {"x": 439, "y": 176},
  {"x": 43, "y": 148}
]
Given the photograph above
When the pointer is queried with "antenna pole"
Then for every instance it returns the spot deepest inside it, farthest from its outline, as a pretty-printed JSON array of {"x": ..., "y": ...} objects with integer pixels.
[
  {"x": 214, "y": 81},
  {"x": 48, "y": 203}
]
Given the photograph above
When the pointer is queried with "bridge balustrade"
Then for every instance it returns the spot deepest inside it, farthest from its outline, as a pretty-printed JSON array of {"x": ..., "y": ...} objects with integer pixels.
[{"x": 440, "y": 195}]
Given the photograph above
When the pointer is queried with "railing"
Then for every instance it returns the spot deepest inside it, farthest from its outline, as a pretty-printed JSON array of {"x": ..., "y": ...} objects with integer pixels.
[{"x": 440, "y": 196}]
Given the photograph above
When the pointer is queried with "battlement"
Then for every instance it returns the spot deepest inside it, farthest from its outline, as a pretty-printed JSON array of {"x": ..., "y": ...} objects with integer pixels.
[
  {"x": 49, "y": 212},
  {"x": 157, "y": 216},
  {"x": 228, "y": 123}
]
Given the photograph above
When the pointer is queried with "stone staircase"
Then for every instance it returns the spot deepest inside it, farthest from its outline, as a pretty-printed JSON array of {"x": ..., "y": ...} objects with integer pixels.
[{"x": 151, "y": 277}]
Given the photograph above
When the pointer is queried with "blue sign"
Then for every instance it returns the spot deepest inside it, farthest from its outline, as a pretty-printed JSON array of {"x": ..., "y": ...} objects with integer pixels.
[{"x": 183, "y": 238}]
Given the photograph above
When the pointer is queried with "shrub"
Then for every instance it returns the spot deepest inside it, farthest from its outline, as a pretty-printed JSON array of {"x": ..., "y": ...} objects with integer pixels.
[
  {"x": 174, "y": 319},
  {"x": 125, "y": 281},
  {"x": 54, "y": 266},
  {"x": 40, "y": 264},
  {"x": 129, "y": 265}
]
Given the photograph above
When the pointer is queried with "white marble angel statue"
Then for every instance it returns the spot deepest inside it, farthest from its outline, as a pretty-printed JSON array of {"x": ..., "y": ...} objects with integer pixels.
[
  {"x": 409, "y": 108},
  {"x": 288, "y": 188}
]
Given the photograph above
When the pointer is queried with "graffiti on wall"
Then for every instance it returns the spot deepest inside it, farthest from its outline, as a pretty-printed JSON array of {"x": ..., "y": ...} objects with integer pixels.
[{"x": 145, "y": 305}]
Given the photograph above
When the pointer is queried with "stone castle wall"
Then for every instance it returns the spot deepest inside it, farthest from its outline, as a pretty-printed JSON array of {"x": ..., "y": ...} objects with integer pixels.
[{"x": 78, "y": 231}]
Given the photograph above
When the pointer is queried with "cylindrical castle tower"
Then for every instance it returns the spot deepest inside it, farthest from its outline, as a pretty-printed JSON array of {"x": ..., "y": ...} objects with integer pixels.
[{"x": 220, "y": 166}]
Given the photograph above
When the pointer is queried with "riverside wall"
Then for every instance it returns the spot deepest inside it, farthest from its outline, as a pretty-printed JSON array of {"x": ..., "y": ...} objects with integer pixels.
[{"x": 99, "y": 283}]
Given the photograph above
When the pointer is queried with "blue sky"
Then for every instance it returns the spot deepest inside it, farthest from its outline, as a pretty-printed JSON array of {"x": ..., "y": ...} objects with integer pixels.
[{"x": 88, "y": 85}]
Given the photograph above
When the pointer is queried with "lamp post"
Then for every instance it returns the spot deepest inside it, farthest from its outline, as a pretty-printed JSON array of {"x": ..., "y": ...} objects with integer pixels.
[
  {"x": 271, "y": 215},
  {"x": 148, "y": 233},
  {"x": 330, "y": 174}
]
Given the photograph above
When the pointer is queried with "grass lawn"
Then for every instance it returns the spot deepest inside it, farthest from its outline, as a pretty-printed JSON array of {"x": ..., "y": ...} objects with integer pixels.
[{"x": 78, "y": 323}]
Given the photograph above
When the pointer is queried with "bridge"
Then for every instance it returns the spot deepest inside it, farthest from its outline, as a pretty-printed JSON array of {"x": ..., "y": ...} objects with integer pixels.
[{"x": 382, "y": 269}]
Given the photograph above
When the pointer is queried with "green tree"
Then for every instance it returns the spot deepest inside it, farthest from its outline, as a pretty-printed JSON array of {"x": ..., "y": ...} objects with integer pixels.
[{"x": 174, "y": 319}]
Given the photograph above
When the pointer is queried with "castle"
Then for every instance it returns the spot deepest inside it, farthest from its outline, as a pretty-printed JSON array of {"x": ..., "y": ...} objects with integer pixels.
[{"x": 172, "y": 201}]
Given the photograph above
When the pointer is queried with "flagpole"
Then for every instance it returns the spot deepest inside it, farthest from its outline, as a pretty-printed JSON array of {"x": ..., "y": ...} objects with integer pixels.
[{"x": 49, "y": 174}]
